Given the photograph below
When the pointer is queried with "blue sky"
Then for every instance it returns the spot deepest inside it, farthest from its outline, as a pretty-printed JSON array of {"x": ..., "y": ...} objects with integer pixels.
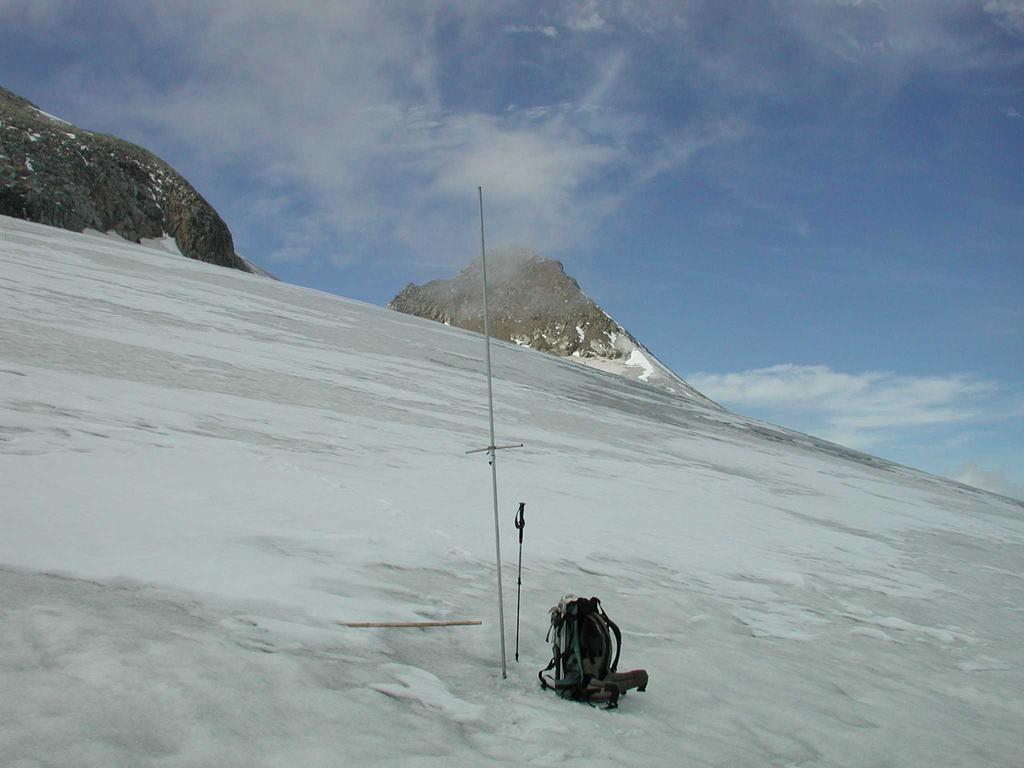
[{"x": 811, "y": 210}]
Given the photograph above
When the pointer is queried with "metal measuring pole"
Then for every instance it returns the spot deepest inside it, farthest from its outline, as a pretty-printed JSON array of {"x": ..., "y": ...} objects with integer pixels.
[{"x": 492, "y": 448}]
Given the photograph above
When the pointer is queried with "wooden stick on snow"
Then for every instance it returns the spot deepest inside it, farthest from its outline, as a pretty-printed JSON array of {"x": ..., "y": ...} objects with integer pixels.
[{"x": 363, "y": 624}]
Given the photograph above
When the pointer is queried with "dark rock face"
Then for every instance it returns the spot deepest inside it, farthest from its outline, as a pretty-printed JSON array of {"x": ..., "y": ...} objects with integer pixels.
[
  {"x": 534, "y": 303},
  {"x": 55, "y": 173}
]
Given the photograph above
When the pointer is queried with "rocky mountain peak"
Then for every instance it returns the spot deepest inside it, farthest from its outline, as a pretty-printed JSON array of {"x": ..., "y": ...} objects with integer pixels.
[
  {"x": 55, "y": 173},
  {"x": 534, "y": 303}
]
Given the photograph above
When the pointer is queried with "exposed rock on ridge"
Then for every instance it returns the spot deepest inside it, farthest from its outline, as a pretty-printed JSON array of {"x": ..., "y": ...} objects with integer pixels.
[
  {"x": 534, "y": 303},
  {"x": 55, "y": 173}
]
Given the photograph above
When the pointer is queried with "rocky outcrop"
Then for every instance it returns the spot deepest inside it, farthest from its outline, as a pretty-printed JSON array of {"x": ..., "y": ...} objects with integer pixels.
[
  {"x": 55, "y": 173},
  {"x": 534, "y": 303}
]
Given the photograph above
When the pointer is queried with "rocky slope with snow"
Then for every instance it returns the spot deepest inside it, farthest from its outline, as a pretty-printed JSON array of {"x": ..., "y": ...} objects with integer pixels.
[
  {"x": 534, "y": 303},
  {"x": 202, "y": 473},
  {"x": 56, "y": 173}
]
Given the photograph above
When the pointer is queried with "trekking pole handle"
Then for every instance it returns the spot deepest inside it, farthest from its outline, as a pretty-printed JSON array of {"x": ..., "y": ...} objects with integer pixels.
[{"x": 521, "y": 520}]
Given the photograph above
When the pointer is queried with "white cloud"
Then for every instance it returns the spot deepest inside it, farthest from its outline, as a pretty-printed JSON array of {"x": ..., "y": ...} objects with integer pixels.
[
  {"x": 531, "y": 171},
  {"x": 585, "y": 17},
  {"x": 848, "y": 51},
  {"x": 1009, "y": 14},
  {"x": 531, "y": 29},
  {"x": 859, "y": 410},
  {"x": 351, "y": 105},
  {"x": 306, "y": 238},
  {"x": 996, "y": 480},
  {"x": 386, "y": 116}
]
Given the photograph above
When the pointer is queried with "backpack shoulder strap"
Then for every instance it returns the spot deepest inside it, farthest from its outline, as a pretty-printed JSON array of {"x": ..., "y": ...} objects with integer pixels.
[{"x": 615, "y": 631}]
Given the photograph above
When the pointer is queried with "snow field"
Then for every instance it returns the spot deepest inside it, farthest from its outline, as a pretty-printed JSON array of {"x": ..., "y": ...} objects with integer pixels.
[{"x": 204, "y": 471}]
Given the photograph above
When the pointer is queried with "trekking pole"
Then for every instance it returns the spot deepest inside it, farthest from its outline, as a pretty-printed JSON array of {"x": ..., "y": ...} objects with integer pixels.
[{"x": 520, "y": 525}]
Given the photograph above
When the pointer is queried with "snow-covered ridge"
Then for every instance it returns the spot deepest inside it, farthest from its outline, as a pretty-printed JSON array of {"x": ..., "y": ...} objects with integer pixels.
[
  {"x": 203, "y": 472},
  {"x": 55, "y": 119}
]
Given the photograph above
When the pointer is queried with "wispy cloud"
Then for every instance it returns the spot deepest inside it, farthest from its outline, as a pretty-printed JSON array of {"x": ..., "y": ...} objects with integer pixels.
[
  {"x": 384, "y": 117},
  {"x": 532, "y": 29},
  {"x": 995, "y": 480},
  {"x": 861, "y": 410},
  {"x": 358, "y": 106},
  {"x": 1009, "y": 14},
  {"x": 585, "y": 16}
]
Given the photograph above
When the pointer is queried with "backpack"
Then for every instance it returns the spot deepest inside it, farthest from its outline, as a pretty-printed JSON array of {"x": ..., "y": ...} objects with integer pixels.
[{"x": 582, "y": 654}]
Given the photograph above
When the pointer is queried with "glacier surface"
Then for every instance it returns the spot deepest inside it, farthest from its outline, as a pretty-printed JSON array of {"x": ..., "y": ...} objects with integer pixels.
[{"x": 204, "y": 471}]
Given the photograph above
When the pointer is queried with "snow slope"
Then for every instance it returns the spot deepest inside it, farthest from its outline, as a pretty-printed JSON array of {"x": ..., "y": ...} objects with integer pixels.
[{"x": 204, "y": 471}]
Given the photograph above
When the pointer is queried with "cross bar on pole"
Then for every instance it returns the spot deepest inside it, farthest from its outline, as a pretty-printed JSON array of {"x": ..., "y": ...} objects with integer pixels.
[{"x": 494, "y": 448}]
